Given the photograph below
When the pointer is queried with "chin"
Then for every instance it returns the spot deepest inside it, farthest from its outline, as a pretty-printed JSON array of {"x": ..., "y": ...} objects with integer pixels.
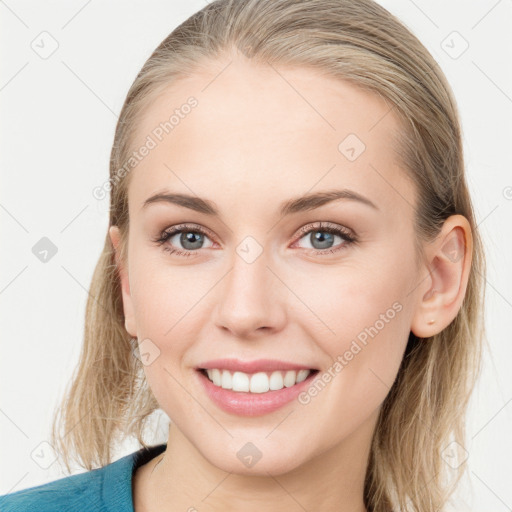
[{"x": 255, "y": 459}]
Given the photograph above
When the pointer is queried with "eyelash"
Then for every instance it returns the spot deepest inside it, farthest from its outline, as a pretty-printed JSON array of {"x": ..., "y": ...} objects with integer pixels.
[{"x": 348, "y": 237}]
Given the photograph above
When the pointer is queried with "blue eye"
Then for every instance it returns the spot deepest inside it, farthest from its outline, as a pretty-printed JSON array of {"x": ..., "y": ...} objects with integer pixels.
[
  {"x": 322, "y": 237},
  {"x": 191, "y": 238}
]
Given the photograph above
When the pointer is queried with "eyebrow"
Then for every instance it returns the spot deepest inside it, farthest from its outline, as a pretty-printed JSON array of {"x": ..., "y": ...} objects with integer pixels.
[{"x": 300, "y": 204}]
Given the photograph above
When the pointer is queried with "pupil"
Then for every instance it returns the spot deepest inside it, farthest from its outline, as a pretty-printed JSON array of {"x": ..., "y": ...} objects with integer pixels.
[
  {"x": 322, "y": 237},
  {"x": 189, "y": 237}
]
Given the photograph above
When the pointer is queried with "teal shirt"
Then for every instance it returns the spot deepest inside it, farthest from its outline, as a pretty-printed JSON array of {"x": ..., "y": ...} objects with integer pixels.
[{"x": 106, "y": 489}]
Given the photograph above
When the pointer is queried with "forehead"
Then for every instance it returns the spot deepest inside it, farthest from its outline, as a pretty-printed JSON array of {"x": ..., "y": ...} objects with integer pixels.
[{"x": 260, "y": 132}]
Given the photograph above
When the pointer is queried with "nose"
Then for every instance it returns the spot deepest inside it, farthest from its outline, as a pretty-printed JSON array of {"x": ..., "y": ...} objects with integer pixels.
[{"x": 250, "y": 302}]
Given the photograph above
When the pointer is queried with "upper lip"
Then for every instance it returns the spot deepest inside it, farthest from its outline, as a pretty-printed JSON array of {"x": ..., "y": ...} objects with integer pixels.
[{"x": 259, "y": 365}]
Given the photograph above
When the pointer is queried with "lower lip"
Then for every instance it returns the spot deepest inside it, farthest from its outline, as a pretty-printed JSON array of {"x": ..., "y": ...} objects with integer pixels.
[{"x": 253, "y": 404}]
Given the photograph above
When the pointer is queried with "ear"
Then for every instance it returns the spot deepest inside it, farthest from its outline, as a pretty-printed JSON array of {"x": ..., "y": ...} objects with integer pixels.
[
  {"x": 129, "y": 316},
  {"x": 448, "y": 262}
]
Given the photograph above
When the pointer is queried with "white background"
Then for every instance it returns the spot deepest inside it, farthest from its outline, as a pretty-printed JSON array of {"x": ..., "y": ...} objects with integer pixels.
[{"x": 58, "y": 118}]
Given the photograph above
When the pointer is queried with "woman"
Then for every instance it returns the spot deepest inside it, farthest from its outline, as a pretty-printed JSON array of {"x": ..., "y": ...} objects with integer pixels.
[{"x": 292, "y": 273}]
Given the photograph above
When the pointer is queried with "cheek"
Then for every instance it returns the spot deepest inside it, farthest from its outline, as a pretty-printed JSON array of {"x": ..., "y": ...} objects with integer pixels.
[
  {"x": 369, "y": 323},
  {"x": 169, "y": 304},
  {"x": 163, "y": 300},
  {"x": 161, "y": 293},
  {"x": 362, "y": 316}
]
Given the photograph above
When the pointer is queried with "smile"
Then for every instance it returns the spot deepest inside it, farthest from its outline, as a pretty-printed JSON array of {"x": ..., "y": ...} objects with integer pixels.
[
  {"x": 260, "y": 382},
  {"x": 252, "y": 394}
]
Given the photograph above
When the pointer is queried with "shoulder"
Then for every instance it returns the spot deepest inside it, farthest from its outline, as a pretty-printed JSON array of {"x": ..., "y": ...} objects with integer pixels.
[
  {"x": 64, "y": 494},
  {"x": 95, "y": 490}
]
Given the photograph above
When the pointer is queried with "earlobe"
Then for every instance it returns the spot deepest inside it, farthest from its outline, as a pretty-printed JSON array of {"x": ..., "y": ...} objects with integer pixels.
[
  {"x": 115, "y": 237},
  {"x": 449, "y": 263}
]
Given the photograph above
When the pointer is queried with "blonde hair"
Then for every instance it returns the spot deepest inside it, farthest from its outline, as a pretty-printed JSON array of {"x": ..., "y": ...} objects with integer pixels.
[{"x": 361, "y": 42}]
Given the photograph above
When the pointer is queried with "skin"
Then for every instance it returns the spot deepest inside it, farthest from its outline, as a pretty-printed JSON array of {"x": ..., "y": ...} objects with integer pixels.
[{"x": 253, "y": 141}]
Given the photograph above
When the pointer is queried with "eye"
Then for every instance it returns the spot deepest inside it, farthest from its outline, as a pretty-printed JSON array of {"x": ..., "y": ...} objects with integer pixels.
[
  {"x": 191, "y": 238},
  {"x": 321, "y": 236}
]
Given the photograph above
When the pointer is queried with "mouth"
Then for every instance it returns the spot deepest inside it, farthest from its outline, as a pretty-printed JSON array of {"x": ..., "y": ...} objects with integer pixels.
[
  {"x": 255, "y": 394},
  {"x": 256, "y": 383}
]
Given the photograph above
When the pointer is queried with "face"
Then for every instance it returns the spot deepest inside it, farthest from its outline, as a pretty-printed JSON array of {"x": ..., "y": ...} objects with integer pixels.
[{"x": 328, "y": 287}]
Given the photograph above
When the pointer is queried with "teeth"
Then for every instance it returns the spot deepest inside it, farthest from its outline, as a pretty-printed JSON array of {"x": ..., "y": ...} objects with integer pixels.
[{"x": 260, "y": 382}]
